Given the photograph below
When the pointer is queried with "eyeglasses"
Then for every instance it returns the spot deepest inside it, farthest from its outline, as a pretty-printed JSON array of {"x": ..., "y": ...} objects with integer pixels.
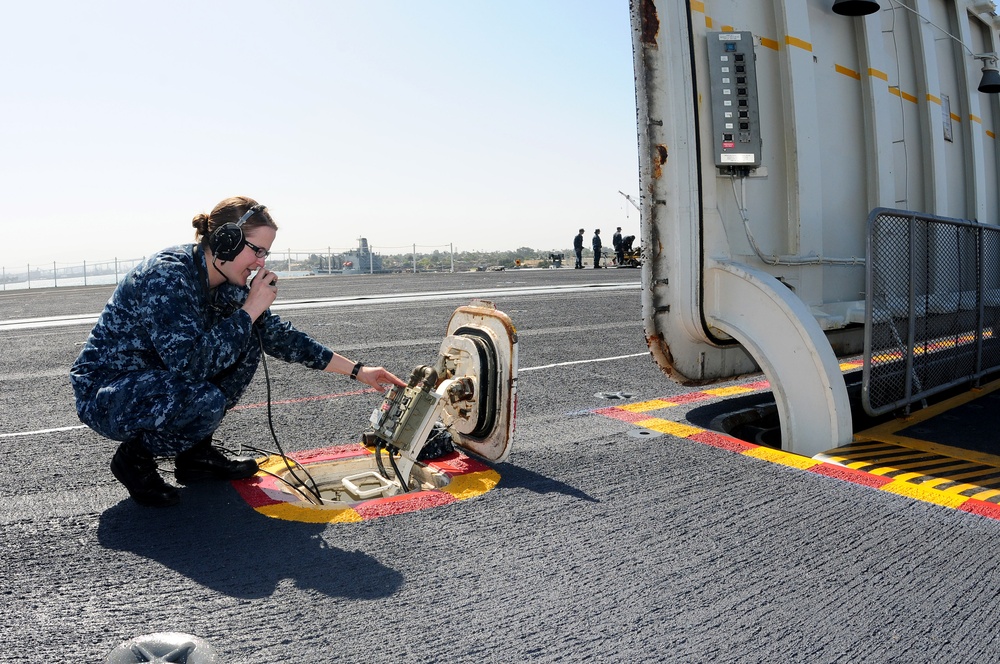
[{"x": 259, "y": 252}]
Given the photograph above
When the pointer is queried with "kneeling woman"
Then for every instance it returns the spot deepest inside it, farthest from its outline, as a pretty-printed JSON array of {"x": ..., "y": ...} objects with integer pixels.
[{"x": 176, "y": 346}]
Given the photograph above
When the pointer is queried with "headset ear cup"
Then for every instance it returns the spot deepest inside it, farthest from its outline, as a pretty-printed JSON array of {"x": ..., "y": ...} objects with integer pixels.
[{"x": 227, "y": 242}]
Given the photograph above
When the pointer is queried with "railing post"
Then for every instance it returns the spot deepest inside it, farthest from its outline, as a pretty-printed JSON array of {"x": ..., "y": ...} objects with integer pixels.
[
  {"x": 912, "y": 313},
  {"x": 980, "y": 304}
]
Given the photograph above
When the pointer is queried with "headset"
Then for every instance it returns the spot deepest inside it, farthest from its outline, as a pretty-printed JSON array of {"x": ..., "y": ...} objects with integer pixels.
[{"x": 227, "y": 241}]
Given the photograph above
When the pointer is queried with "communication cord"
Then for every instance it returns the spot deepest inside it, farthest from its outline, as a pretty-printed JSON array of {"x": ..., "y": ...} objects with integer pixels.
[{"x": 312, "y": 487}]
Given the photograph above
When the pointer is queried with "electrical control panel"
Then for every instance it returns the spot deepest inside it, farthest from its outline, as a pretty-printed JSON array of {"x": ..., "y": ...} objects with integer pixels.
[
  {"x": 406, "y": 414},
  {"x": 732, "y": 70}
]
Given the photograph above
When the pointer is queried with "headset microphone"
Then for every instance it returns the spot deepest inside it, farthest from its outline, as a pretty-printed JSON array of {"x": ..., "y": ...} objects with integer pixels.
[{"x": 227, "y": 241}]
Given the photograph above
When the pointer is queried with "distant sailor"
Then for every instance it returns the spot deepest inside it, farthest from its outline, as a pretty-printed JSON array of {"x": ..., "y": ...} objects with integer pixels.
[
  {"x": 177, "y": 345},
  {"x": 616, "y": 242},
  {"x": 578, "y": 248}
]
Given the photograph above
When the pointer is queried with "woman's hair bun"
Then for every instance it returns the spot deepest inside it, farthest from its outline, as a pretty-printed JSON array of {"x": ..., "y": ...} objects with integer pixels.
[{"x": 200, "y": 223}]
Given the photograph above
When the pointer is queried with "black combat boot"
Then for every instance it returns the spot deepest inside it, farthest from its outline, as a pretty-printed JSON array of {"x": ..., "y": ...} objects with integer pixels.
[
  {"x": 206, "y": 462},
  {"x": 135, "y": 467}
]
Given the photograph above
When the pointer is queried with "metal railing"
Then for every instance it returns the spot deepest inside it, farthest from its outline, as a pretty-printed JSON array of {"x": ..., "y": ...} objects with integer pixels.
[
  {"x": 291, "y": 262},
  {"x": 932, "y": 307}
]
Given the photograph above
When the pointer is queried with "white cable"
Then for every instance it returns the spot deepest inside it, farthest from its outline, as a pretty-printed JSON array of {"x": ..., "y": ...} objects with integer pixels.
[
  {"x": 782, "y": 260},
  {"x": 910, "y": 9}
]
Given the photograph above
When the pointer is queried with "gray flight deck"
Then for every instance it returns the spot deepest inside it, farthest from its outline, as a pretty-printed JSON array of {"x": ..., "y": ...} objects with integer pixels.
[{"x": 608, "y": 538}]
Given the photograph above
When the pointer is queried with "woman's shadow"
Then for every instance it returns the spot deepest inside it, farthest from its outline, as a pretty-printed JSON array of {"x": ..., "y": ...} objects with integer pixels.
[{"x": 215, "y": 539}]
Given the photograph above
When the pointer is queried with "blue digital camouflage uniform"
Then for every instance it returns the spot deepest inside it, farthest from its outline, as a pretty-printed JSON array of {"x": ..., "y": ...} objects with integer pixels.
[{"x": 168, "y": 357}]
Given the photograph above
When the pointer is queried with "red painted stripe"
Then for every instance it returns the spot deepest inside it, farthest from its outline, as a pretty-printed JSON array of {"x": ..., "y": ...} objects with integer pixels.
[
  {"x": 981, "y": 507},
  {"x": 250, "y": 492},
  {"x": 624, "y": 415},
  {"x": 457, "y": 464},
  {"x": 331, "y": 453},
  {"x": 722, "y": 441},
  {"x": 689, "y": 397},
  {"x": 372, "y": 509}
]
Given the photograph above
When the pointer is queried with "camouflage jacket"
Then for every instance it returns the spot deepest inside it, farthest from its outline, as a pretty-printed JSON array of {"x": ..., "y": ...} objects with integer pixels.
[{"x": 163, "y": 316}]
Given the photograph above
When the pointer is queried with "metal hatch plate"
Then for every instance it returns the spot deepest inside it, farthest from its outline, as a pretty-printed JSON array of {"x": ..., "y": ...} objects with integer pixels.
[{"x": 481, "y": 329}]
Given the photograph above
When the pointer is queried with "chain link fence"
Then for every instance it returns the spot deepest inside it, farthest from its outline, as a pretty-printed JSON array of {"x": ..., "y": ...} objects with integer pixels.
[{"x": 932, "y": 305}]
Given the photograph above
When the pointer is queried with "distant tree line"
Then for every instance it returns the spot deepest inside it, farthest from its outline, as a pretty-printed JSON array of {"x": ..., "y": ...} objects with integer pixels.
[{"x": 464, "y": 261}]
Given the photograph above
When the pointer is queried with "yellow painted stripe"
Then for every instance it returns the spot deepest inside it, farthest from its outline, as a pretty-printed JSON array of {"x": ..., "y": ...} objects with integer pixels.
[
  {"x": 290, "y": 512},
  {"x": 781, "y": 457},
  {"x": 708, "y": 22},
  {"x": 666, "y": 426},
  {"x": 990, "y": 134},
  {"x": 956, "y": 118},
  {"x": 975, "y": 118},
  {"x": 847, "y": 72},
  {"x": 936, "y": 100},
  {"x": 977, "y": 472},
  {"x": 859, "y": 446},
  {"x": 899, "y": 93},
  {"x": 918, "y": 492},
  {"x": 937, "y": 481},
  {"x": 914, "y": 465},
  {"x": 727, "y": 391},
  {"x": 798, "y": 43},
  {"x": 959, "y": 488},
  {"x": 882, "y": 470},
  {"x": 906, "y": 477},
  {"x": 983, "y": 495},
  {"x": 880, "y": 450},
  {"x": 875, "y": 73},
  {"x": 642, "y": 407},
  {"x": 471, "y": 484},
  {"x": 885, "y": 432},
  {"x": 769, "y": 43},
  {"x": 697, "y": 6},
  {"x": 728, "y": 28}
]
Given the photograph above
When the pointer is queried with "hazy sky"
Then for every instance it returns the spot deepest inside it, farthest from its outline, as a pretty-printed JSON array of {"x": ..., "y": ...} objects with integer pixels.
[{"x": 490, "y": 124}]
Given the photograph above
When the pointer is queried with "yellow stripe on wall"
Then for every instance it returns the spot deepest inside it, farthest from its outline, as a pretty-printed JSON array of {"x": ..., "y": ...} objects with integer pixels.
[
  {"x": 697, "y": 6},
  {"x": 769, "y": 43},
  {"x": 976, "y": 118},
  {"x": 875, "y": 73},
  {"x": 798, "y": 43},
  {"x": 847, "y": 72},
  {"x": 936, "y": 100}
]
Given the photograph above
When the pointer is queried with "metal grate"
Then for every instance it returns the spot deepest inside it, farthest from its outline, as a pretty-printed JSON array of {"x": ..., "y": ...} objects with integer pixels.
[{"x": 932, "y": 302}]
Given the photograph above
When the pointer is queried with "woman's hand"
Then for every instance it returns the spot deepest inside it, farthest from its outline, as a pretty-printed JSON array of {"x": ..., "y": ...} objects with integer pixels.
[
  {"x": 263, "y": 291},
  {"x": 378, "y": 378}
]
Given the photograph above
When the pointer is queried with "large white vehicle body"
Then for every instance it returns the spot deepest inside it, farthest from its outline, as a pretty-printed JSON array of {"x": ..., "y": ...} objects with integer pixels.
[{"x": 756, "y": 185}]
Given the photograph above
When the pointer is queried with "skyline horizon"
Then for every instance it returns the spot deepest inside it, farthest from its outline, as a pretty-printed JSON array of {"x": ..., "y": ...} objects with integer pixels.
[{"x": 124, "y": 121}]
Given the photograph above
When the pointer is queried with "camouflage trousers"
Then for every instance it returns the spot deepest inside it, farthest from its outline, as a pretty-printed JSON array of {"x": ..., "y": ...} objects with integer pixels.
[{"x": 167, "y": 412}]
